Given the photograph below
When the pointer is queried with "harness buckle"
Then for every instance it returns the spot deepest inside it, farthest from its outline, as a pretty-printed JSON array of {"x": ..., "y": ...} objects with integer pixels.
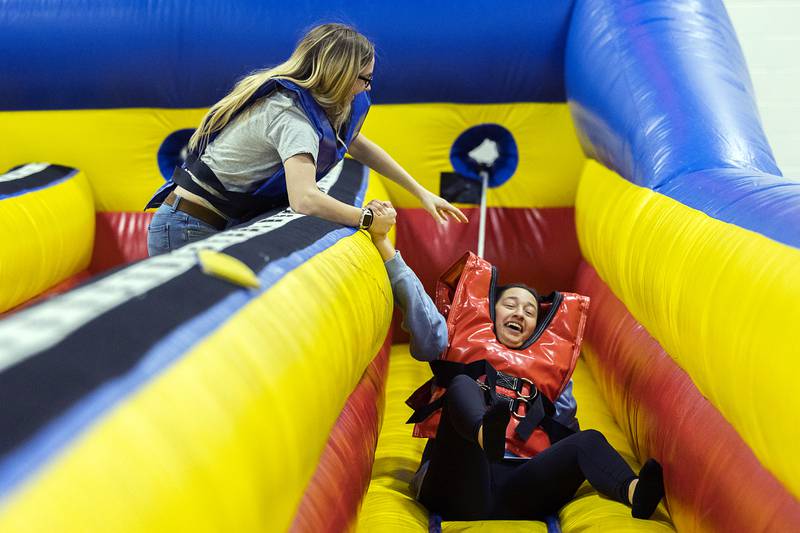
[
  {"x": 533, "y": 392},
  {"x": 514, "y": 404}
]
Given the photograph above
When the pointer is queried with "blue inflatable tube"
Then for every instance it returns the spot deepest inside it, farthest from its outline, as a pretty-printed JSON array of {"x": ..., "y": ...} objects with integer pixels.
[
  {"x": 660, "y": 92},
  {"x": 111, "y": 54}
]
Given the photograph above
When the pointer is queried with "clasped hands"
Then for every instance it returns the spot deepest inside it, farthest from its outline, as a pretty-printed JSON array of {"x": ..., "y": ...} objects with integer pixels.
[{"x": 385, "y": 215}]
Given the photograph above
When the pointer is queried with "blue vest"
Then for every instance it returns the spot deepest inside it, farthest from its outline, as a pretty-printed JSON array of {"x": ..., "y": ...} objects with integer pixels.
[{"x": 271, "y": 192}]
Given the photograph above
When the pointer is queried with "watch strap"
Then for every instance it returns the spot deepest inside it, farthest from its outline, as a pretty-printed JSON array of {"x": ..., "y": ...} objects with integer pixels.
[{"x": 366, "y": 218}]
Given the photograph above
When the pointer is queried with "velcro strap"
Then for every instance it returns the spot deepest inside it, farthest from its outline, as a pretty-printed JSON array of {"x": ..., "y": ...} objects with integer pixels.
[
  {"x": 445, "y": 371},
  {"x": 539, "y": 409},
  {"x": 425, "y": 411},
  {"x": 555, "y": 430},
  {"x": 534, "y": 414},
  {"x": 507, "y": 381},
  {"x": 539, "y": 413}
]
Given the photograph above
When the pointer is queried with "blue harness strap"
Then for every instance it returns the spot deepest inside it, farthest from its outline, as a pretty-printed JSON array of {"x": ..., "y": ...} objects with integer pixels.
[{"x": 196, "y": 177}]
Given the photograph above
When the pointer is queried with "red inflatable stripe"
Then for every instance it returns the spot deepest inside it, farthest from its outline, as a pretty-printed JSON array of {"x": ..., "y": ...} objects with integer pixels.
[
  {"x": 538, "y": 247},
  {"x": 534, "y": 246},
  {"x": 714, "y": 481},
  {"x": 335, "y": 491},
  {"x": 63, "y": 286},
  {"x": 120, "y": 238}
]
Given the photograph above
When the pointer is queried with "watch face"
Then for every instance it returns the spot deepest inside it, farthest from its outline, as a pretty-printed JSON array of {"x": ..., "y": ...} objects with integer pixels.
[{"x": 368, "y": 218}]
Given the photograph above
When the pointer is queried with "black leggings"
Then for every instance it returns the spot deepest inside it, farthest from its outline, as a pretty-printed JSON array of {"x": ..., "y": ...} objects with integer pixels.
[{"x": 462, "y": 485}]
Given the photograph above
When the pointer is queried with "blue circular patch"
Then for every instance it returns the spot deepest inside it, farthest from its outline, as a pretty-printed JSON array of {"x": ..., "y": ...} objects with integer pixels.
[
  {"x": 173, "y": 151},
  {"x": 501, "y": 170}
]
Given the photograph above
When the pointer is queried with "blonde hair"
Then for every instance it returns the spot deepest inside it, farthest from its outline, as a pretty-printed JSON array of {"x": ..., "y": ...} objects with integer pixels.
[{"x": 326, "y": 61}]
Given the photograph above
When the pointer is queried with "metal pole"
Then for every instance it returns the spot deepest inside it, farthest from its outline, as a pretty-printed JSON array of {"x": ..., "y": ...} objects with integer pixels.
[{"x": 482, "y": 226}]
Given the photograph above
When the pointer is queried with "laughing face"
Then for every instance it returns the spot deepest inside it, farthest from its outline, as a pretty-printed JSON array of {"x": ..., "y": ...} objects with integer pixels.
[{"x": 515, "y": 315}]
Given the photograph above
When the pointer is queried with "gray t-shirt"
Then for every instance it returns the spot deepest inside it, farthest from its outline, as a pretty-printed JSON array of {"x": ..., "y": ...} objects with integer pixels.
[{"x": 259, "y": 140}]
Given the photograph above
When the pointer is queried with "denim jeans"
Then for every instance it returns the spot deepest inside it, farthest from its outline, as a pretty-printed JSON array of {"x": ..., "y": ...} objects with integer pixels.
[{"x": 170, "y": 229}]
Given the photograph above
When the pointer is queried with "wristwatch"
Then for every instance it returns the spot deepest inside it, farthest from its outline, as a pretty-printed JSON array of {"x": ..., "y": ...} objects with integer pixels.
[{"x": 366, "y": 218}]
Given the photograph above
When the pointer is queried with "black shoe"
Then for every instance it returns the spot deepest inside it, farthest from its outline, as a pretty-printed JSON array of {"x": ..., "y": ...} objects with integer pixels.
[{"x": 649, "y": 490}]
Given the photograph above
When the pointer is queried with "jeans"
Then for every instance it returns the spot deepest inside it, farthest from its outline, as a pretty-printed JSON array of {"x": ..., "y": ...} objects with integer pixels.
[{"x": 170, "y": 229}]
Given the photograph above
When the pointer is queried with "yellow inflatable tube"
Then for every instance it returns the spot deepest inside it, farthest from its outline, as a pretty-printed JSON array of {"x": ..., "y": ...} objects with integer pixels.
[
  {"x": 46, "y": 233},
  {"x": 721, "y": 300},
  {"x": 227, "y": 437}
]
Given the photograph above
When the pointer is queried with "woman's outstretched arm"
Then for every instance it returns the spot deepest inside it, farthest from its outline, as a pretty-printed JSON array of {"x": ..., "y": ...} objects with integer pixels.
[
  {"x": 376, "y": 158},
  {"x": 421, "y": 320},
  {"x": 306, "y": 198}
]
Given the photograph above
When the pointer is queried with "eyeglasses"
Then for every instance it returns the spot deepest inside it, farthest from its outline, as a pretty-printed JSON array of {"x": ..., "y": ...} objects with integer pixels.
[{"x": 367, "y": 81}]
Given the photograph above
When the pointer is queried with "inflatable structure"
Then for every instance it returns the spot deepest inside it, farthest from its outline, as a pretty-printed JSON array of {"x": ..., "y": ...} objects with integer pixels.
[{"x": 629, "y": 165}]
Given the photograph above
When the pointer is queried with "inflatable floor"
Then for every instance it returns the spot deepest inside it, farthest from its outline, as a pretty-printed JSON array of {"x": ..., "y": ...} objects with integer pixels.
[{"x": 143, "y": 394}]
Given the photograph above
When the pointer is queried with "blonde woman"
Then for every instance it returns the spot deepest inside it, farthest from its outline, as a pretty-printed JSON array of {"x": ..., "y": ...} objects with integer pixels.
[{"x": 269, "y": 141}]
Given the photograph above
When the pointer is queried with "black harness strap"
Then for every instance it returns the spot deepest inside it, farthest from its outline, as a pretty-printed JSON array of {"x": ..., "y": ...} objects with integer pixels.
[
  {"x": 445, "y": 371},
  {"x": 443, "y": 374},
  {"x": 427, "y": 410},
  {"x": 235, "y": 205},
  {"x": 555, "y": 430},
  {"x": 539, "y": 409}
]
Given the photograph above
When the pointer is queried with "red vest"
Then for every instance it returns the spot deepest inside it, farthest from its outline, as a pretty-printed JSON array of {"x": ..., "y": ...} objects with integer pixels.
[{"x": 464, "y": 295}]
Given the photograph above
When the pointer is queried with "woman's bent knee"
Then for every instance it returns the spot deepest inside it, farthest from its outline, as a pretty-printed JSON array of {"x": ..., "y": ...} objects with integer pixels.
[
  {"x": 462, "y": 380},
  {"x": 591, "y": 437}
]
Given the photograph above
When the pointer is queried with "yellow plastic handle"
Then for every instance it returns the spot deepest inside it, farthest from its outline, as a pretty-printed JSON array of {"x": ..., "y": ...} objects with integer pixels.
[{"x": 227, "y": 267}]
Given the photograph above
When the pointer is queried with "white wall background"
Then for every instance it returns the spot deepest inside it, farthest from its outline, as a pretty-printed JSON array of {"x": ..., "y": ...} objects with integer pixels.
[{"x": 769, "y": 33}]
